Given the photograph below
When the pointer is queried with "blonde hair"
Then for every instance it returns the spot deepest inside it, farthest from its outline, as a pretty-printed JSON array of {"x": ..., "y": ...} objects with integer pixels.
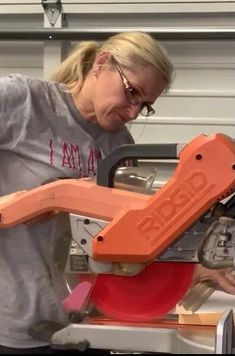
[{"x": 126, "y": 48}]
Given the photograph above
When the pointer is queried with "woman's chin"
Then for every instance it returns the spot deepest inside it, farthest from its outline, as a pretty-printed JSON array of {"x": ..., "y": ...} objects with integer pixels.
[{"x": 112, "y": 124}]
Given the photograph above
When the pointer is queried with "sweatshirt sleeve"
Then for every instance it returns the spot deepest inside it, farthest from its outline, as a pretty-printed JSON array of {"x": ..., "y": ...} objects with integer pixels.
[{"x": 14, "y": 108}]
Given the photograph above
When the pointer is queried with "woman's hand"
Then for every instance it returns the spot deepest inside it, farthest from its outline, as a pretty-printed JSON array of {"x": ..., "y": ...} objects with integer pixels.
[{"x": 223, "y": 278}]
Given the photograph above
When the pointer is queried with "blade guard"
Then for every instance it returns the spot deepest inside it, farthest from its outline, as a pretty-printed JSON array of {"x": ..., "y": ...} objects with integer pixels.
[{"x": 204, "y": 175}]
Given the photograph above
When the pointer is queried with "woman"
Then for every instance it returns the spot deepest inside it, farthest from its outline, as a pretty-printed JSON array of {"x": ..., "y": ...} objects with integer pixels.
[{"x": 63, "y": 128}]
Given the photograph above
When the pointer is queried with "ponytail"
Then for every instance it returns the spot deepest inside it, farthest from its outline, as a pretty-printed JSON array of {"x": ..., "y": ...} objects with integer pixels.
[{"x": 74, "y": 69}]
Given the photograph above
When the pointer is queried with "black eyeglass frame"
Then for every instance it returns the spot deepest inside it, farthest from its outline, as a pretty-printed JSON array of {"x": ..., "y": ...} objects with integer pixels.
[{"x": 132, "y": 95}]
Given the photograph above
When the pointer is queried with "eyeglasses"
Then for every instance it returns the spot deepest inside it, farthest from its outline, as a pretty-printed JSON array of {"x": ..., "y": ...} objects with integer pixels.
[{"x": 133, "y": 96}]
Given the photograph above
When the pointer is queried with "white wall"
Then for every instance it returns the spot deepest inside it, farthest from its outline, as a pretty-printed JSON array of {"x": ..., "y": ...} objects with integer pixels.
[{"x": 202, "y": 98}]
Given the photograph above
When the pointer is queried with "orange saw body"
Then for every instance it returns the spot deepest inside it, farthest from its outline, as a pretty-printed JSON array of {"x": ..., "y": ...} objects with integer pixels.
[
  {"x": 140, "y": 227},
  {"x": 137, "y": 228}
]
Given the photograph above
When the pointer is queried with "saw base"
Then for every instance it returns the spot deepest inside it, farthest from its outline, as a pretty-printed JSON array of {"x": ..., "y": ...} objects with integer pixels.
[{"x": 164, "y": 336}]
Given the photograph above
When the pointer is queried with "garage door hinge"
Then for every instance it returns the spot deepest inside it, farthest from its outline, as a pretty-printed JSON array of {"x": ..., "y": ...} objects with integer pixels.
[{"x": 52, "y": 10}]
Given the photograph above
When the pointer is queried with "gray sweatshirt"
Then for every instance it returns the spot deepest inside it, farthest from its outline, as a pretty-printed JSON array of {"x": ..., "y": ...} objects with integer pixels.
[{"x": 42, "y": 136}]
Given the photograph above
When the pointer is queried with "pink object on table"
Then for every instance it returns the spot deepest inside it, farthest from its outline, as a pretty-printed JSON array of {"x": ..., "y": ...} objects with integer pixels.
[{"x": 79, "y": 297}]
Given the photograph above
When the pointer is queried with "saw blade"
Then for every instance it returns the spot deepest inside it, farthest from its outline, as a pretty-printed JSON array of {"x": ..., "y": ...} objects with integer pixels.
[{"x": 147, "y": 296}]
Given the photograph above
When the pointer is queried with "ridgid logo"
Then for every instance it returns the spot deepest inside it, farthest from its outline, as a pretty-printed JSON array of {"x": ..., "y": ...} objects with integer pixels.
[
  {"x": 174, "y": 207},
  {"x": 73, "y": 158}
]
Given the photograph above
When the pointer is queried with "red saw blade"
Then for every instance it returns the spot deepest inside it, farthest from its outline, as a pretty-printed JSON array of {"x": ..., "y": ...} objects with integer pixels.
[{"x": 147, "y": 296}]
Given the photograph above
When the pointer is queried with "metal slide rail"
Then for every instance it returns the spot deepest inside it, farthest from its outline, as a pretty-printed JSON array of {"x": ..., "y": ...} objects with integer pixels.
[{"x": 72, "y": 34}]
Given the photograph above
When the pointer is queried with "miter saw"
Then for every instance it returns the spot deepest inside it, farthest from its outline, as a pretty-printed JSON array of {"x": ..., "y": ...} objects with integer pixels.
[{"x": 123, "y": 259}]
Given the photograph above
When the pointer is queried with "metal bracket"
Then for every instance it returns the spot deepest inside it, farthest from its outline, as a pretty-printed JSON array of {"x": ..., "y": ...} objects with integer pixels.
[
  {"x": 224, "y": 342},
  {"x": 52, "y": 9}
]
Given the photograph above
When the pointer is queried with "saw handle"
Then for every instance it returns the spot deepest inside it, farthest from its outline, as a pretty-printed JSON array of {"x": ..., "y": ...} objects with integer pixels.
[{"x": 108, "y": 166}]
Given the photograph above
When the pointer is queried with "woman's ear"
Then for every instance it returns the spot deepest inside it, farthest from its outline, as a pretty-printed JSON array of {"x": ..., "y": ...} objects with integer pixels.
[{"x": 101, "y": 59}]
